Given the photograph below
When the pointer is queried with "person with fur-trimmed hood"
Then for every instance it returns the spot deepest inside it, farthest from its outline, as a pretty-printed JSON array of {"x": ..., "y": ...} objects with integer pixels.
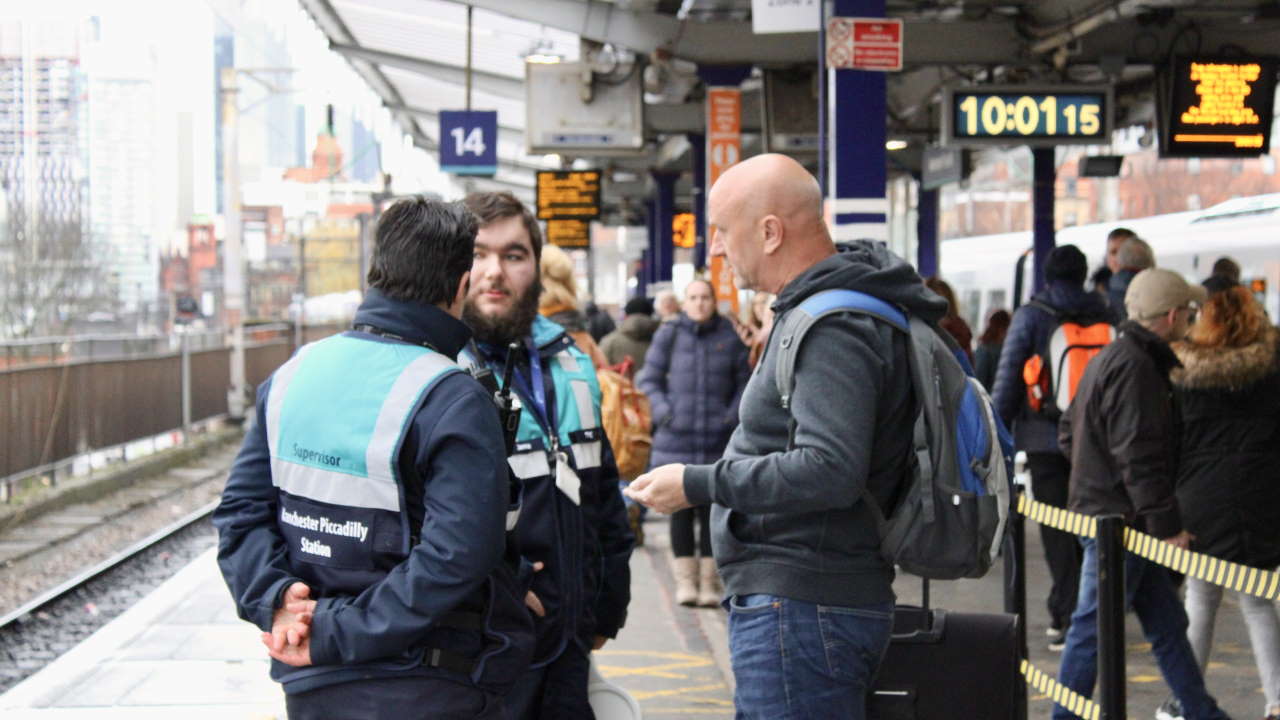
[{"x": 1229, "y": 391}]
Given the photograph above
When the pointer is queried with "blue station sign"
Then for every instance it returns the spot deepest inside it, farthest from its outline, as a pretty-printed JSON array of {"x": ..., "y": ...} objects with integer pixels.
[{"x": 469, "y": 142}]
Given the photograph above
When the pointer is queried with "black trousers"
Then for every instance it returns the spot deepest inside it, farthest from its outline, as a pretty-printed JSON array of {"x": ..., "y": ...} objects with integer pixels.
[
  {"x": 555, "y": 691},
  {"x": 406, "y": 698},
  {"x": 1050, "y": 477},
  {"x": 682, "y": 531}
]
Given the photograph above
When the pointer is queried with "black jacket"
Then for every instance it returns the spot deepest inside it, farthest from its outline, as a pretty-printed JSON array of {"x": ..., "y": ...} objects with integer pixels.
[
  {"x": 791, "y": 522},
  {"x": 455, "y": 488},
  {"x": 1229, "y": 475},
  {"x": 1121, "y": 434},
  {"x": 1028, "y": 334}
]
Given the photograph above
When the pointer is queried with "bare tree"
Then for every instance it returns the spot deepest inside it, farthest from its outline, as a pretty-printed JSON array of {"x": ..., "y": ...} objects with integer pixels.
[{"x": 50, "y": 275}]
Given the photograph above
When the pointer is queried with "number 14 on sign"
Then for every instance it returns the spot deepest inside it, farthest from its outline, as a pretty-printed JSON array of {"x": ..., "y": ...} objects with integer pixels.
[{"x": 469, "y": 142}]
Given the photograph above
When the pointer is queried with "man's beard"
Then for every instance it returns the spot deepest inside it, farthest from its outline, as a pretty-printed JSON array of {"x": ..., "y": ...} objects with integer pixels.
[{"x": 506, "y": 328}]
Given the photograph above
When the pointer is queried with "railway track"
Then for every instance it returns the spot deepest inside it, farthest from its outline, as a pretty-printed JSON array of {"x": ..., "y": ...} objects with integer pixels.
[{"x": 80, "y": 578}]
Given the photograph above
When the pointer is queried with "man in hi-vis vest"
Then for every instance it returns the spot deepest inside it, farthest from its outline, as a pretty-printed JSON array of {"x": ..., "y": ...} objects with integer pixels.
[
  {"x": 363, "y": 527},
  {"x": 573, "y": 526}
]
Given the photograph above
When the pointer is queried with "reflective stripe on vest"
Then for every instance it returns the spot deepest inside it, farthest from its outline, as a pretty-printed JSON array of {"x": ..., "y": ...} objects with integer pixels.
[
  {"x": 571, "y": 369},
  {"x": 372, "y": 390}
]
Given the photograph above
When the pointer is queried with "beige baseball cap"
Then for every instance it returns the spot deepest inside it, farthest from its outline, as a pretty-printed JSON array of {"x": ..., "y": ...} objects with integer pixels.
[{"x": 1156, "y": 291}]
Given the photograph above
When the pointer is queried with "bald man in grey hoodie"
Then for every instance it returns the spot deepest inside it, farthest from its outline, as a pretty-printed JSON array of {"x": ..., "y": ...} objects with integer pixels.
[{"x": 793, "y": 537}]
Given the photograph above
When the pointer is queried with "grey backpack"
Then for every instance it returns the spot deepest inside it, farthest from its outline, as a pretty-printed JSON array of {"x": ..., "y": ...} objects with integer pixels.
[{"x": 951, "y": 518}]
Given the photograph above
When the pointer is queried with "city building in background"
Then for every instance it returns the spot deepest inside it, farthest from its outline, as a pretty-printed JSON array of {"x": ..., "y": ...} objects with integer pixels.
[{"x": 48, "y": 269}]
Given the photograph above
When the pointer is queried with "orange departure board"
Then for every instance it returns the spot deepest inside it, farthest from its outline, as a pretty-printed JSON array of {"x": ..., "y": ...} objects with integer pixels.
[
  {"x": 569, "y": 233},
  {"x": 1218, "y": 107},
  {"x": 684, "y": 230},
  {"x": 568, "y": 194}
]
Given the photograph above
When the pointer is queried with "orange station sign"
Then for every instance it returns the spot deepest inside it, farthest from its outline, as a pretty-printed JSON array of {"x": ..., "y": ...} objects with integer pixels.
[{"x": 724, "y": 149}]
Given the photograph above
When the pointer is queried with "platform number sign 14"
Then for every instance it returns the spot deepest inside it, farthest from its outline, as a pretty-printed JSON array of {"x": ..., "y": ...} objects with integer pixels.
[{"x": 469, "y": 142}]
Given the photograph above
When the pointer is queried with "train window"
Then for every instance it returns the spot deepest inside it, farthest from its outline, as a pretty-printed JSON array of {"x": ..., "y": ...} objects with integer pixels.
[
  {"x": 996, "y": 300},
  {"x": 971, "y": 306}
]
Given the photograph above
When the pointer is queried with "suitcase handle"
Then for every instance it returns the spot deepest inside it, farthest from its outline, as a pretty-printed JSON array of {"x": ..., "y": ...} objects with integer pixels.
[{"x": 919, "y": 625}]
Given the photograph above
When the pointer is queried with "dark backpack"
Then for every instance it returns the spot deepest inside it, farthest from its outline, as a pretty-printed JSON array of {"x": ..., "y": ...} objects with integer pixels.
[{"x": 951, "y": 519}]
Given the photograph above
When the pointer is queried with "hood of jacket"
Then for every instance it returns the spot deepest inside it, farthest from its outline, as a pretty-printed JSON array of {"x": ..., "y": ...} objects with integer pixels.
[
  {"x": 639, "y": 327},
  {"x": 1075, "y": 300},
  {"x": 1151, "y": 344},
  {"x": 1225, "y": 368},
  {"x": 869, "y": 267}
]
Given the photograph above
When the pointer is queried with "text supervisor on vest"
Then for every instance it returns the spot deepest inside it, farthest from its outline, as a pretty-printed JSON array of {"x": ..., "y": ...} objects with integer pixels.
[{"x": 363, "y": 526}]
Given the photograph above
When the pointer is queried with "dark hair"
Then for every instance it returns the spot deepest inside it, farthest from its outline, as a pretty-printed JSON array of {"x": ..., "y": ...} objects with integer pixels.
[
  {"x": 1101, "y": 276},
  {"x": 1228, "y": 267},
  {"x": 493, "y": 206},
  {"x": 638, "y": 306},
  {"x": 1066, "y": 263},
  {"x": 997, "y": 327},
  {"x": 1121, "y": 232},
  {"x": 421, "y": 250}
]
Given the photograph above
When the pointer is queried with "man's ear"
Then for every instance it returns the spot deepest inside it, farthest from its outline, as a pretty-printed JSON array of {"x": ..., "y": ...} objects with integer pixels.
[
  {"x": 771, "y": 227},
  {"x": 460, "y": 297}
]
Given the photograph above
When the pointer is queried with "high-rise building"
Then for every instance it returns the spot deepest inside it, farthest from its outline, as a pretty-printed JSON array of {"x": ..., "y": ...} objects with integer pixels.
[
  {"x": 45, "y": 251},
  {"x": 122, "y": 115}
]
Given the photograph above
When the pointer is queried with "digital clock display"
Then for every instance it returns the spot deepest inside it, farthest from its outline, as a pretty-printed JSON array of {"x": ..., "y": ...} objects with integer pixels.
[{"x": 1027, "y": 116}]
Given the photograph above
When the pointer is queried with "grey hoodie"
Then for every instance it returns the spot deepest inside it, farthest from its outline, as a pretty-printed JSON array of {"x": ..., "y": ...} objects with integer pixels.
[{"x": 791, "y": 522}]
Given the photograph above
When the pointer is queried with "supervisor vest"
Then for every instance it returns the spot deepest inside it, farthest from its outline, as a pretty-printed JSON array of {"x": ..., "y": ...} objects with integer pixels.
[{"x": 337, "y": 416}]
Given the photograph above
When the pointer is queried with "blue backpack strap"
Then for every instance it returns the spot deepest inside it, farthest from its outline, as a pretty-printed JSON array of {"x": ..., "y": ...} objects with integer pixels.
[{"x": 798, "y": 320}]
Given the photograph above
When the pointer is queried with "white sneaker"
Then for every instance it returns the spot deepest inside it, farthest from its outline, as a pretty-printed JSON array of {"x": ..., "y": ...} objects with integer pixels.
[{"x": 1170, "y": 709}]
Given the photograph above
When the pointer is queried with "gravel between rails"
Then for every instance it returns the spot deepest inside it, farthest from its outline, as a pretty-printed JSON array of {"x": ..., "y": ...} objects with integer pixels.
[
  {"x": 29, "y": 645},
  {"x": 25, "y": 579}
]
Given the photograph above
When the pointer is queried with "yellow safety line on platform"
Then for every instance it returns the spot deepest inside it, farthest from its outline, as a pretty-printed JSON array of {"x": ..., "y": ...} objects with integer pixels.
[
  {"x": 649, "y": 694},
  {"x": 1061, "y": 694},
  {"x": 1233, "y": 576}
]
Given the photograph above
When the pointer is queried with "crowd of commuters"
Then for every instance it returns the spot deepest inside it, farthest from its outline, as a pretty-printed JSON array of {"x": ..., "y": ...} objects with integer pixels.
[{"x": 1174, "y": 424}]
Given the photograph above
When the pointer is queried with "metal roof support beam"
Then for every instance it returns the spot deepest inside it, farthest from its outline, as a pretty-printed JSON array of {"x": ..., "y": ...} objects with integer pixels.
[
  {"x": 333, "y": 26},
  {"x": 428, "y": 114},
  {"x": 491, "y": 83},
  {"x": 732, "y": 42},
  {"x": 430, "y": 144}
]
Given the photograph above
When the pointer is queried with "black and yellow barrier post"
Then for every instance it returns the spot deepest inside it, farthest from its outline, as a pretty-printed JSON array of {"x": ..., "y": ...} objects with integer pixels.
[
  {"x": 1015, "y": 586},
  {"x": 1111, "y": 671}
]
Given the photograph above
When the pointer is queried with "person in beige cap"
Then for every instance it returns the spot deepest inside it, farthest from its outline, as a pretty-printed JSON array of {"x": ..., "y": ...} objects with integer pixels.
[{"x": 1121, "y": 434}]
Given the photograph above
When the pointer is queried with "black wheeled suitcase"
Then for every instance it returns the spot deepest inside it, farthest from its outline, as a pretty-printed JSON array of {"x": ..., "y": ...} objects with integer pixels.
[{"x": 943, "y": 665}]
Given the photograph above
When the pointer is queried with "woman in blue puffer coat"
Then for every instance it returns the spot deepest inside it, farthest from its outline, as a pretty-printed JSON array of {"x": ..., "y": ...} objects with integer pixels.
[{"x": 694, "y": 374}]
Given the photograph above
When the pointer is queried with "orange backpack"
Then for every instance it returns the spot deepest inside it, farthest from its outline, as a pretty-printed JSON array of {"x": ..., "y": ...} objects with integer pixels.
[
  {"x": 1053, "y": 375},
  {"x": 624, "y": 412}
]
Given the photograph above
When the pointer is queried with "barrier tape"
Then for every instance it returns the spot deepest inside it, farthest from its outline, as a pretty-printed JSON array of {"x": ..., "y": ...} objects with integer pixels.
[
  {"x": 1056, "y": 517},
  {"x": 1061, "y": 694},
  {"x": 1233, "y": 576}
]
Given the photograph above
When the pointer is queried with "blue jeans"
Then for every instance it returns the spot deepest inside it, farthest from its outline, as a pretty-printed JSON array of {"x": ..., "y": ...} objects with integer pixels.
[
  {"x": 1149, "y": 591},
  {"x": 795, "y": 660}
]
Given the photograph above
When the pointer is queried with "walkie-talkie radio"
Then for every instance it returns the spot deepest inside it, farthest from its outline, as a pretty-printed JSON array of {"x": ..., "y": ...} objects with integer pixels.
[{"x": 508, "y": 404}]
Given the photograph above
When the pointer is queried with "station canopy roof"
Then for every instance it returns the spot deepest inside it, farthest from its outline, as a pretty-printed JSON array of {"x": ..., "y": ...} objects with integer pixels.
[{"x": 413, "y": 54}]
